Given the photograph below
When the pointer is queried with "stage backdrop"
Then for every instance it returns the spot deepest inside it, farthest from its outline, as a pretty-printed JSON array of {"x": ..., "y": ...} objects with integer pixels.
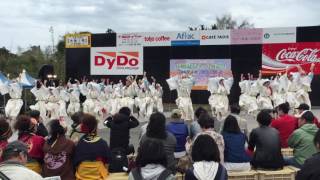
[
  {"x": 245, "y": 48},
  {"x": 202, "y": 69}
]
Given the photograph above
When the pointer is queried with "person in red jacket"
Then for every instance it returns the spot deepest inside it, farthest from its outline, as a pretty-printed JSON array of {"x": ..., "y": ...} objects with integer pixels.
[
  {"x": 26, "y": 128},
  {"x": 5, "y": 134},
  {"x": 284, "y": 123},
  {"x": 305, "y": 107}
]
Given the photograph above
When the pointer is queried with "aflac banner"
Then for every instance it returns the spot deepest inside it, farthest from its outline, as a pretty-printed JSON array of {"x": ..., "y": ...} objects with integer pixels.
[
  {"x": 185, "y": 38},
  {"x": 246, "y": 36},
  {"x": 116, "y": 61},
  {"x": 215, "y": 37},
  {"x": 277, "y": 57},
  {"x": 202, "y": 69},
  {"x": 279, "y": 35}
]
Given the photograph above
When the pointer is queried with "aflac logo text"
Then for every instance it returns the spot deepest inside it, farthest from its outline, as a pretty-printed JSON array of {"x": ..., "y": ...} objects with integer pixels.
[{"x": 185, "y": 36}]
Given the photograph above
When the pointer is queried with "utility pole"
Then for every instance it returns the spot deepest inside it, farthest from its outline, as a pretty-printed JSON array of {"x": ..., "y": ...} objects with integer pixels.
[{"x": 52, "y": 38}]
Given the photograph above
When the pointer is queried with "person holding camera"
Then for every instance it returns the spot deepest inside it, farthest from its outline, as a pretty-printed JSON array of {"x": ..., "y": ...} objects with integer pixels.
[{"x": 120, "y": 125}]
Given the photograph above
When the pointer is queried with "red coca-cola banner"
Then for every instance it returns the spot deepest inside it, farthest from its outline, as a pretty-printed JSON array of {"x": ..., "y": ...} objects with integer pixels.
[{"x": 277, "y": 57}]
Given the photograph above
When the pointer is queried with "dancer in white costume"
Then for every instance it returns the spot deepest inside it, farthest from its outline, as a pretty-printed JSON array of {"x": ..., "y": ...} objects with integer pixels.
[
  {"x": 53, "y": 104},
  {"x": 144, "y": 100},
  {"x": 278, "y": 91},
  {"x": 156, "y": 93},
  {"x": 14, "y": 104},
  {"x": 41, "y": 93},
  {"x": 219, "y": 88},
  {"x": 128, "y": 91},
  {"x": 116, "y": 97},
  {"x": 265, "y": 93},
  {"x": 305, "y": 85},
  {"x": 74, "y": 97},
  {"x": 63, "y": 99},
  {"x": 91, "y": 90},
  {"x": 249, "y": 91},
  {"x": 184, "y": 103}
]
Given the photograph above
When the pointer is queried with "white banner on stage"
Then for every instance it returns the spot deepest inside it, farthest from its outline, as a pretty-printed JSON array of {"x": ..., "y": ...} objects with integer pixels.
[
  {"x": 215, "y": 37},
  {"x": 279, "y": 35},
  {"x": 116, "y": 60}
]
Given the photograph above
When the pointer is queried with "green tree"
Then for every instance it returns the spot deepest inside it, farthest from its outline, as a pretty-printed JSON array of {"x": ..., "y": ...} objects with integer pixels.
[{"x": 224, "y": 22}]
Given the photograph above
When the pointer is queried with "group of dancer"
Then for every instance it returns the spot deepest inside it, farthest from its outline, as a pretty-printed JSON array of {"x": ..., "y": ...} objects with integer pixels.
[
  {"x": 102, "y": 98},
  {"x": 288, "y": 87},
  {"x": 256, "y": 93}
]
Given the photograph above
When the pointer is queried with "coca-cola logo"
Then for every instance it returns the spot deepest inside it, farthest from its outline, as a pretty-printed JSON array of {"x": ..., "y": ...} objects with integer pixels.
[{"x": 294, "y": 55}]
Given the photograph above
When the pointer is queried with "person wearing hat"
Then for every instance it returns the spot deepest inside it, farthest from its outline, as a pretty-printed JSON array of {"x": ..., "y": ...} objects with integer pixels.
[
  {"x": 26, "y": 128},
  {"x": 180, "y": 130},
  {"x": 305, "y": 107},
  {"x": 301, "y": 140},
  {"x": 5, "y": 133},
  {"x": 15, "y": 156}
]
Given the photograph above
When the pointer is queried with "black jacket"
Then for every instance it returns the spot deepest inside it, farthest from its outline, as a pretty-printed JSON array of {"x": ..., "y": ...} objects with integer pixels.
[
  {"x": 311, "y": 169},
  {"x": 267, "y": 154},
  {"x": 120, "y": 126},
  {"x": 42, "y": 130}
]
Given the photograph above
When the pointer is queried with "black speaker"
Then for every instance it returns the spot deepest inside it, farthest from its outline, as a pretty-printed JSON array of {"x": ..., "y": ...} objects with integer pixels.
[{"x": 45, "y": 70}]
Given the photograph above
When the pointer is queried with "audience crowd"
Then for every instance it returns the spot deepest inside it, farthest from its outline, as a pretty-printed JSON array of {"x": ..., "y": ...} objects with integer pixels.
[{"x": 200, "y": 150}]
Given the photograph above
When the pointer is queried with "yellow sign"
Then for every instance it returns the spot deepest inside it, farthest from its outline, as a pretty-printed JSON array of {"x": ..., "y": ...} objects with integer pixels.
[{"x": 81, "y": 40}]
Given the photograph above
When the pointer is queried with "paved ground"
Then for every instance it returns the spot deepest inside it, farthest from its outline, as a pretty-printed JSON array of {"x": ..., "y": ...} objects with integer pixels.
[{"x": 105, "y": 132}]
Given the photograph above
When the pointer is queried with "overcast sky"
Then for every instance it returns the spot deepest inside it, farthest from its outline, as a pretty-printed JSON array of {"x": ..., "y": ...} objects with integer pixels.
[{"x": 27, "y": 22}]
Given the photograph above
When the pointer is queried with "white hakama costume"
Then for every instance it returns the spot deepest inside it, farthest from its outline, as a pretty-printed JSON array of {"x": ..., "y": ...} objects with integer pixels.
[
  {"x": 53, "y": 106},
  {"x": 15, "y": 103},
  {"x": 91, "y": 105},
  {"x": 248, "y": 100},
  {"x": 265, "y": 94},
  {"x": 218, "y": 100},
  {"x": 156, "y": 94},
  {"x": 278, "y": 92},
  {"x": 41, "y": 94},
  {"x": 74, "y": 97},
  {"x": 304, "y": 89},
  {"x": 63, "y": 99},
  {"x": 116, "y": 98}
]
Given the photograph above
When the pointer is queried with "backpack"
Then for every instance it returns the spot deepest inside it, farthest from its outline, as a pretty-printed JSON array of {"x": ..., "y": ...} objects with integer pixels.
[
  {"x": 136, "y": 173},
  {"x": 119, "y": 160}
]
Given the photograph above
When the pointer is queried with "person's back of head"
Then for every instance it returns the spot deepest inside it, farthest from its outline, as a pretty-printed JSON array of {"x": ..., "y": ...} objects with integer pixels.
[
  {"x": 120, "y": 118},
  {"x": 157, "y": 126},
  {"x": 89, "y": 124},
  {"x": 76, "y": 118},
  {"x": 283, "y": 108},
  {"x": 206, "y": 121},
  {"x": 24, "y": 124},
  {"x": 56, "y": 129},
  {"x": 125, "y": 111},
  {"x": 306, "y": 117},
  {"x": 5, "y": 129},
  {"x": 231, "y": 125},
  {"x": 235, "y": 109},
  {"x": 151, "y": 151},
  {"x": 205, "y": 148},
  {"x": 35, "y": 114},
  {"x": 176, "y": 114},
  {"x": 200, "y": 110},
  {"x": 15, "y": 151},
  {"x": 264, "y": 118}
]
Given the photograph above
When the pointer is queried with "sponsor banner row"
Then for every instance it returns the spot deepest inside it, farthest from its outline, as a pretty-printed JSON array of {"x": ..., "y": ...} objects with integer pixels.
[
  {"x": 116, "y": 61},
  {"x": 277, "y": 57},
  {"x": 209, "y": 37}
]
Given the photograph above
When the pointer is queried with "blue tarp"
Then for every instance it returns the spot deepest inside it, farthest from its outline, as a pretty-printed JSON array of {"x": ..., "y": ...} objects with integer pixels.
[
  {"x": 26, "y": 80},
  {"x": 4, "y": 79}
]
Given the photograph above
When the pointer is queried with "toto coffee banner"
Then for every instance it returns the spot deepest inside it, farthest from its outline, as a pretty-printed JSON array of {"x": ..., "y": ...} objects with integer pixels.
[
  {"x": 116, "y": 61},
  {"x": 277, "y": 57}
]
